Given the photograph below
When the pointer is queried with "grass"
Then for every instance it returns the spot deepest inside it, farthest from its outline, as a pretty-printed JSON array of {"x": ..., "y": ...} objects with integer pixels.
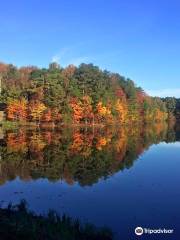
[
  {"x": 8, "y": 125},
  {"x": 11, "y": 125},
  {"x": 18, "y": 223}
]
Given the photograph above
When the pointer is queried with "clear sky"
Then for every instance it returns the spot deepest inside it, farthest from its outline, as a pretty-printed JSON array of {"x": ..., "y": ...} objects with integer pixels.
[{"x": 137, "y": 38}]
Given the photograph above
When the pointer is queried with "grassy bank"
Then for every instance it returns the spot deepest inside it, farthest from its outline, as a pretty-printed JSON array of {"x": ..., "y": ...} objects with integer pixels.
[
  {"x": 7, "y": 125},
  {"x": 12, "y": 125}
]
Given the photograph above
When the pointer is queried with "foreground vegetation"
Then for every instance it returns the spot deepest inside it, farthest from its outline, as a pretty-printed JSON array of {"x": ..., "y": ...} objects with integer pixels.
[
  {"x": 17, "y": 223},
  {"x": 76, "y": 95}
]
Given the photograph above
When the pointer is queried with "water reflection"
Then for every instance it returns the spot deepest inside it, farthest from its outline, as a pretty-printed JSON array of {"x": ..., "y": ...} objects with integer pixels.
[{"x": 76, "y": 154}]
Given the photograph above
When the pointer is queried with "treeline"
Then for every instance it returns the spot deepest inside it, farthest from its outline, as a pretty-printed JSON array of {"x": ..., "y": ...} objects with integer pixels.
[{"x": 79, "y": 95}]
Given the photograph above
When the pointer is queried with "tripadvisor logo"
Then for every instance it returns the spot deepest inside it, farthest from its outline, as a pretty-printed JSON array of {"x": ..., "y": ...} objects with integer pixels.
[{"x": 139, "y": 231}]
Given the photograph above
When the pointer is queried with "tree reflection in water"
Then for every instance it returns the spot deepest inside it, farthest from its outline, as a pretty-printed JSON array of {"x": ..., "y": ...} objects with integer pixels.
[{"x": 77, "y": 154}]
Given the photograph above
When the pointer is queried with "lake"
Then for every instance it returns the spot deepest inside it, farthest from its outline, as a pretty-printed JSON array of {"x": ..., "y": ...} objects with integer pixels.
[{"x": 114, "y": 177}]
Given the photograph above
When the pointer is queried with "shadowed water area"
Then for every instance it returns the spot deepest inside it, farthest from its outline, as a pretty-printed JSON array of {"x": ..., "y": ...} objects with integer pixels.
[{"x": 114, "y": 177}]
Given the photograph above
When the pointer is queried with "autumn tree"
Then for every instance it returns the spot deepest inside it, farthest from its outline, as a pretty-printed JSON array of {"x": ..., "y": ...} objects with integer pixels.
[
  {"x": 84, "y": 94},
  {"x": 36, "y": 111},
  {"x": 17, "y": 110},
  {"x": 77, "y": 110}
]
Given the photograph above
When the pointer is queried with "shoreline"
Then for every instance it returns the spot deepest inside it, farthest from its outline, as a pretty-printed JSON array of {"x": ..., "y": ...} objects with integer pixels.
[{"x": 8, "y": 125}]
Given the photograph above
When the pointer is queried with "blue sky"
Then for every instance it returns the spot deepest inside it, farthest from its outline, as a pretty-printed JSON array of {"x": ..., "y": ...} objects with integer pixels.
[{"x": 137, "y": 38}]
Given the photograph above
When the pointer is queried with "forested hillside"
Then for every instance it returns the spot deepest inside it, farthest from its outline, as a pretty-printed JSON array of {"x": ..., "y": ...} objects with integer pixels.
[
  {"x": 173, "y": 107},
  {"x": 79, "y": 95}
]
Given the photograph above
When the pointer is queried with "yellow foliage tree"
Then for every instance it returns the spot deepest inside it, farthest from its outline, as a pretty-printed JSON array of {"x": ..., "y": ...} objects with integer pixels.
[
  {"x": 36, "y": 111},
  {"x": 104, "y": 113},
  {"x": 121, "y": 109}
]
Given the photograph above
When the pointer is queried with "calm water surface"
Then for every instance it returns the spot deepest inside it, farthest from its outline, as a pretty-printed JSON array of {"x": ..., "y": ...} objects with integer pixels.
[{"x": 120, "y": 178}]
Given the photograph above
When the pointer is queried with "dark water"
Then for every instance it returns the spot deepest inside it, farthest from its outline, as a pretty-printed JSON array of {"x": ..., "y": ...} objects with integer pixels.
[{"x": 120, "y": 178}]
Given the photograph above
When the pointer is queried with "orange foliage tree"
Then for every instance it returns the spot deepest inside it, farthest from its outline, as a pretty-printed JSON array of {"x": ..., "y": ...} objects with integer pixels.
[
  {"x": 17, "y": 110},
  {"x": 77, "y": 110}
]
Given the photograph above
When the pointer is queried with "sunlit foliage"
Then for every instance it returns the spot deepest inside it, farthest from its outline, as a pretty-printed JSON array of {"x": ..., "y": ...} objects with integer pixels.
[{"x": 77, "y": 95}]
